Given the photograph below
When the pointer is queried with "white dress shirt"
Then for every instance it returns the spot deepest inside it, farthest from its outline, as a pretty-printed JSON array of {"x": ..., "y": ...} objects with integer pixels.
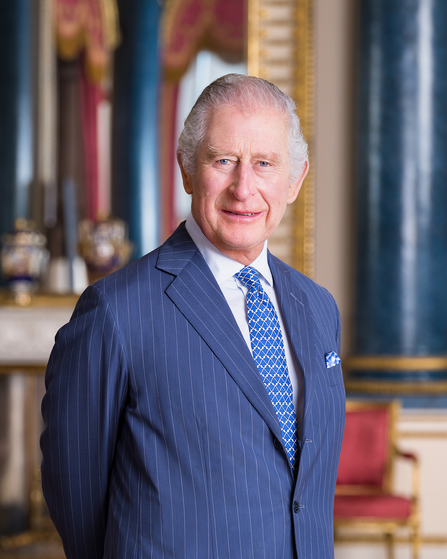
[{"x": 224, "y": 269}]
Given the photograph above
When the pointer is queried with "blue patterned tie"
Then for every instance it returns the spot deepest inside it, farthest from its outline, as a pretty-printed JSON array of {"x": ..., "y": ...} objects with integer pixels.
[{"x": 268, "y": 352}]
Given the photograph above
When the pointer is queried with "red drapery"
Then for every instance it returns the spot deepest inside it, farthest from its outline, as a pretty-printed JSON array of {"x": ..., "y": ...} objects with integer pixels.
[
  {"x": 192, "y": 24},
  {"x": 91, "y": 96},
  {"x": 90, "y": 26},
  {"x": 88, "y": 29}
]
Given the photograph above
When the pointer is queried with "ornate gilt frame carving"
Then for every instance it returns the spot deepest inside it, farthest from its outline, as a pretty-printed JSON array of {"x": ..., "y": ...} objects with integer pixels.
[{"x": 280, "y": 49}]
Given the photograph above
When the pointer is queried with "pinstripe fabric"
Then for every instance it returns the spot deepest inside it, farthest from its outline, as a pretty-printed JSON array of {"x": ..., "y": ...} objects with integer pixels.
[{"x": 160, "y": 438}]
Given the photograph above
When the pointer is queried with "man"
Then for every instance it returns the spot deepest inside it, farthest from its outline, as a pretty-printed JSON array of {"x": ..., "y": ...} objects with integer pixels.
[{"x": 195, "y": 401}]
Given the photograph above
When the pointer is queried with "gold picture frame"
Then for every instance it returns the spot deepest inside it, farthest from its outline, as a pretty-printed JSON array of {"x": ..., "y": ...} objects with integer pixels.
[{"x": 280, "y": 49}]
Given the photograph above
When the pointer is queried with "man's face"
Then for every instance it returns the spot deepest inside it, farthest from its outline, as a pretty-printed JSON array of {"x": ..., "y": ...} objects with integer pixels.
[{"x": 241, "y": 186}]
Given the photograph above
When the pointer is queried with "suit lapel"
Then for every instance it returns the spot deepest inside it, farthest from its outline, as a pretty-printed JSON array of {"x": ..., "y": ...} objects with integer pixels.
[
  {"x": 298, "y": 320},
  {"x": 198, "y": 297}
]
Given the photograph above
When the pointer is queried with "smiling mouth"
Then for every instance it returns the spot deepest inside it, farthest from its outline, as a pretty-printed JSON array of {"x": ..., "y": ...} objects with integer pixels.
[{"x": 243, "y": 214}]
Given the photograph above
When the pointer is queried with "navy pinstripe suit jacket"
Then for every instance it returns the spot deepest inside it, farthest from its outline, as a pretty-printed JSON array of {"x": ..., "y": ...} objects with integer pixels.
[{"x": 160, "y": 440}]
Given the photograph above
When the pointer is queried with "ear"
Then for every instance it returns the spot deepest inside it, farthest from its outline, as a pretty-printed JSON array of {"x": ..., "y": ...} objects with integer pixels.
[
  {"x": 186, "y": 177},
  {"x": 295, "y": 187}
]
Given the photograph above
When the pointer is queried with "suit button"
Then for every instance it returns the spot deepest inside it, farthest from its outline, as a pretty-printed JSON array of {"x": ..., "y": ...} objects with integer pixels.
[
  {"x": 296, "y": 507},
  {"x": 277, "y": 444}
]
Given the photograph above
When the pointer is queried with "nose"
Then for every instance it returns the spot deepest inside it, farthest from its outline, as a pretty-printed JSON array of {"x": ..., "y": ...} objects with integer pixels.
[{"x": 243, "y": 184}]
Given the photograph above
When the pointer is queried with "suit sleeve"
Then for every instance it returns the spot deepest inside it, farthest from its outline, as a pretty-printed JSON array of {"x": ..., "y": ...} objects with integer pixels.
[{"x": 86, "y": 385}]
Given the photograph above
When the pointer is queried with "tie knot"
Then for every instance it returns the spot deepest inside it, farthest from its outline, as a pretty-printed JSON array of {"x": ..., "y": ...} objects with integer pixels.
[{"x": 249, "y": 277}]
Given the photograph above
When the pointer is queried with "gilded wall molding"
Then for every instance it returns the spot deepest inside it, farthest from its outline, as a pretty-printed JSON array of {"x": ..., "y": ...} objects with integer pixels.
[
  {"x": 396, "y": 363},
  {"x": 280, "y": 49},
  {"x": 396, "y": 388}
]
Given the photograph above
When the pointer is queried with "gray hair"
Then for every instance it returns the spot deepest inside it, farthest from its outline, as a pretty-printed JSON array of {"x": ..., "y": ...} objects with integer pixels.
[{"x": 247, "y": 93}]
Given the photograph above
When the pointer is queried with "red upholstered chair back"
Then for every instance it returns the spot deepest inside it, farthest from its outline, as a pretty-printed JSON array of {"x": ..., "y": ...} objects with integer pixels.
[{"x": 367, "y": 444}]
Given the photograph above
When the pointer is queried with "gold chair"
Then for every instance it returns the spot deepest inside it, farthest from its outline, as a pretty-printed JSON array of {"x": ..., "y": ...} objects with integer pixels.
[{"x": 364, "y": 497}]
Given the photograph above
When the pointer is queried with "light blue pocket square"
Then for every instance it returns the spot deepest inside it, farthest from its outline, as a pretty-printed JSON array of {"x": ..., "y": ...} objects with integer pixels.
[{"x": 332, "y": 359}]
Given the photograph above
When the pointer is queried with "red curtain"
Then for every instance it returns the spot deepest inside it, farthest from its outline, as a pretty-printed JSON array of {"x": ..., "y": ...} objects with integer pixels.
[
  {"x": 192, "y": 24},
  {"x": 91, "y": 96},
  {"x": 88, "y": 29},
  {"x": 90, "y": 26}
]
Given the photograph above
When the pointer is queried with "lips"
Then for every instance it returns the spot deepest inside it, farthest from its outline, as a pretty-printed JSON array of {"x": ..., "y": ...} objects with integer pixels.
[{"x": 243, "y": 214}]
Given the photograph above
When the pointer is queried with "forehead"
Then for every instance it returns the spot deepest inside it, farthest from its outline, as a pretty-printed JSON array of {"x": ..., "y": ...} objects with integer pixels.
[{"x": 228, "y": 124}]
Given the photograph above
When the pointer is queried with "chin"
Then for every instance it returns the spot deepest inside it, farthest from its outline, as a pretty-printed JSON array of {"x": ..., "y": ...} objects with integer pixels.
[{"x": 245, "y": 245}]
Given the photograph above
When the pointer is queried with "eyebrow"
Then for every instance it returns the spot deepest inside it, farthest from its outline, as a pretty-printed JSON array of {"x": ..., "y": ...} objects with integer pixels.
[{"x": 213, "y": 151}]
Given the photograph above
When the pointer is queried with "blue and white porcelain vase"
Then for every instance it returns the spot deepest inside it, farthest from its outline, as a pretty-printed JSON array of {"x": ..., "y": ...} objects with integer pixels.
[
  {"x": 104, "y": 246},
  {"x": 24, "y": 259}
]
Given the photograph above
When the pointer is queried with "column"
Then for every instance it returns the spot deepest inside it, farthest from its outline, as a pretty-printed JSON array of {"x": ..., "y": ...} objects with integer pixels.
[
  {"x": 135, "y": 123},
  {"x": 16, "y": 110},
  {"x": 401, "y": 300}
]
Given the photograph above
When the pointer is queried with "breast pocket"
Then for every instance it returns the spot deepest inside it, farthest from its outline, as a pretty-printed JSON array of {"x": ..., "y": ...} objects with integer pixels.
[{"x": 334, "y": 375}]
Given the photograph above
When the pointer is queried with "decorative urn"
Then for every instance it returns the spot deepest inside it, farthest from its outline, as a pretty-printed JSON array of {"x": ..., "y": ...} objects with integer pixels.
[
  {"x": 104, "y": 246},
  {"x": 24, "y": 259}
]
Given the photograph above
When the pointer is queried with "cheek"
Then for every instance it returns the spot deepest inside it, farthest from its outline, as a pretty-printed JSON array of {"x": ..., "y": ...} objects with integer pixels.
[
  {"x": 275, "y": 199},
  {"x": 277, "y": 207},
  {"x": 209, "y": 188},
  {"x": 205, "y": 203}
]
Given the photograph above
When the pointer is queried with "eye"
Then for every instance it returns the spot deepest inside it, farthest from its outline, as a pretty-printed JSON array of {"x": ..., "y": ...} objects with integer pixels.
[
  {"x": 264, "y": 164},
  {"x": 224, "y": 161}
]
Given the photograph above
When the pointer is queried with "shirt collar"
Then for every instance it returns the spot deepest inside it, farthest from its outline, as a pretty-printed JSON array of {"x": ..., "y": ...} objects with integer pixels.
[{"x": 223, "y": 267}]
